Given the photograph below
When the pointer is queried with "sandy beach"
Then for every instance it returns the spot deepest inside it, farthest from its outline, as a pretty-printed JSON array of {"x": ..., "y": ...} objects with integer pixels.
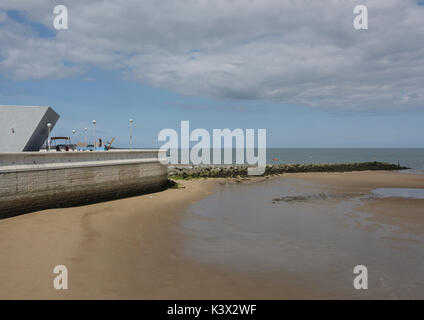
[{"x": 134, "y": 248}]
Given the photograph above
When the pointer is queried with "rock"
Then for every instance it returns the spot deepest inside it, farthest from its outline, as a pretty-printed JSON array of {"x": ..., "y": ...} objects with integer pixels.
[{"x": 238, "y": 171}]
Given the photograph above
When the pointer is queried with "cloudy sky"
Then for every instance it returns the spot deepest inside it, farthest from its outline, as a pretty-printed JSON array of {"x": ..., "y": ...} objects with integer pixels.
[{"x": 295, "y": 67}]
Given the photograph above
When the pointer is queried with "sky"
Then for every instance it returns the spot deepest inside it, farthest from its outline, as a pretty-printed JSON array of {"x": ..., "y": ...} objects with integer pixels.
[{"x": 296, "y": 68}]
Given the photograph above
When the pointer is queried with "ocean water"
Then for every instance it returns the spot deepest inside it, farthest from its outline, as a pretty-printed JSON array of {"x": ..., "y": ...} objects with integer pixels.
[
  {"x": 409, "y": 193},
  {"x": 411, "y": 158}
]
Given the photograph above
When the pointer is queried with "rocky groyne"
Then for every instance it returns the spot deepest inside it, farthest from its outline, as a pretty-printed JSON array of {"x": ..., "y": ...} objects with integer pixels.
[{"x": 223, "y": 171}]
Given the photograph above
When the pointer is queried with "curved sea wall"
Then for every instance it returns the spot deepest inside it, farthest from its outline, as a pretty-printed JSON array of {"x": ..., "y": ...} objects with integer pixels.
[
  {"x": 220, "y": 171},
  {"x": 31, "y": 181}
]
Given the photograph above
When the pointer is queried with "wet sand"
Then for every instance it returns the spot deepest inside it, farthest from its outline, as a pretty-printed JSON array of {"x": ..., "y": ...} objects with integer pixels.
[
  {"x": 405, "y": 213},
  {"x": 139, "y": 248},
  {"x": 123, "y": 249},
  {"x": 315, "y": 228},
  {"x": 118, "y": 249}
]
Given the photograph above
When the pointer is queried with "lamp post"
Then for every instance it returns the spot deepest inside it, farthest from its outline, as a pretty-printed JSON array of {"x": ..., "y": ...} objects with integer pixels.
[
  {"x": 85, "y": 129},
  {"x": 49, "y": 126},
  {"x": 131, "y": 132},
  {"x": 94, "y": 134},
  {"x": 73, "y": 136}
]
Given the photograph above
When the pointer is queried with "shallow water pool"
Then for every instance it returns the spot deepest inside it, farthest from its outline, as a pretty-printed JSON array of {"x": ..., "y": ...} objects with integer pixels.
[{"x": 399, "y": 193}]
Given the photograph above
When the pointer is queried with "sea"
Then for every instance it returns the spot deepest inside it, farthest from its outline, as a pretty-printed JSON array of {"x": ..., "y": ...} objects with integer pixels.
[{"x": 412, "y": 158}]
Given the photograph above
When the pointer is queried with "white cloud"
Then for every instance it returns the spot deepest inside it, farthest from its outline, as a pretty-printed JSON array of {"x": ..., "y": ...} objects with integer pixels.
[{"x": 299, "y": 52}]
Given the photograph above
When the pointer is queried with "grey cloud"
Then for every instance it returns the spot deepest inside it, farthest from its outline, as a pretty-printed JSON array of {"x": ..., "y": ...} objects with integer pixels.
[{"x": 297, "y": 52}]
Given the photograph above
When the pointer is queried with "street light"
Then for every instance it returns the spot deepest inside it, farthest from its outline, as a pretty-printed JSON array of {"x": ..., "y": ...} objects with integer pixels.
[
  {"x": 73, "y": 135},
  {"x": 94, "y": 133},
  {"x": 49, "y": 126},
  {"x": 131, "y": 123},
  {"x": 85, "y": 129}
]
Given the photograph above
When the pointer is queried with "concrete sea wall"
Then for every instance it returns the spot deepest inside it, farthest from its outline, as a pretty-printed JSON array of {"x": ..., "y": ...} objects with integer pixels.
[{"x": 32, "y": 181}]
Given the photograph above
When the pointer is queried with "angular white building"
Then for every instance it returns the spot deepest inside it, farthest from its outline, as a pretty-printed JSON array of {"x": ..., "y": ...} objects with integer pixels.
[{"x": 24, "y": 128}]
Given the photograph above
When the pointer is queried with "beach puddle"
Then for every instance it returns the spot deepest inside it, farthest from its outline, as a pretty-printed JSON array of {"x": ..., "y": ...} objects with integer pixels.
[{"x": 398, "y": 193}]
